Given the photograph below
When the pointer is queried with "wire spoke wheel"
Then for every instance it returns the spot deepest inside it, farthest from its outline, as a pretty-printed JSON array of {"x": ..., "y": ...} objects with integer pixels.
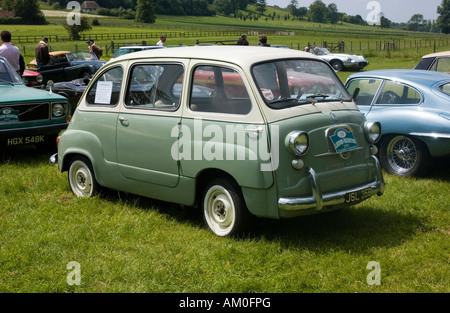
[{"x": 404, "y": 156}]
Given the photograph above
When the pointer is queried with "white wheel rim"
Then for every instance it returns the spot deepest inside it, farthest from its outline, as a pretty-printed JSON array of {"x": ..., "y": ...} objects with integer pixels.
[
  {"x": 219, "y": 210},
  {"x": 80, "y": 179}
]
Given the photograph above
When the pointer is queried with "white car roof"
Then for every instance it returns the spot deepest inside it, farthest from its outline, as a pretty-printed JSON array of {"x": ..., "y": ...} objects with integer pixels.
[
  {"x": 438, "y": 54},
  {"x": 242, "y": 55},
  {"x": 137, "y": 46}
]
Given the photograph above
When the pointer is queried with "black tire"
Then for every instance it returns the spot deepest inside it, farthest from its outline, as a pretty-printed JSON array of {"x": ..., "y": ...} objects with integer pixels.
[
  {"x": 224, "y": 209},
  {"x": 337, "y": 65},
  {"x": 85, "y": 75},
  {"x": 404, "y": 156},
  {"x": 81, "y": 178}
]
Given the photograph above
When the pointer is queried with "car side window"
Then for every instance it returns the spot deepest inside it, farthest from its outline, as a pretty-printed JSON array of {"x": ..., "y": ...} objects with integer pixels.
[
  {"x": 155, "y": 86},
  {"x": 220, "y": 90},
  {"x": 368, "y": 88},
  {"x": 443, "y": 65},
  {"x": 445, "y": 88},
  {"x": 395, "y": 93},
  {"x": 106, "y": 89}
]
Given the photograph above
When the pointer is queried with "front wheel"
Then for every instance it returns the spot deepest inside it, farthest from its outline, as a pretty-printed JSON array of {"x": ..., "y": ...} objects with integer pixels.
[
  {"x": 404, "y": 156},
  {"x": 81, "y": 178},
  {"x": 224, "y": 209}
]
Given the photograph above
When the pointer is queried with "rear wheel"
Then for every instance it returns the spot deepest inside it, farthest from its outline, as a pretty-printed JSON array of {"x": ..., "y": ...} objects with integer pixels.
[
  {"x": 337, "y": 65},
  {"x": 224, "y": 209},
  {"x": 404, "y": 156},
  {"x": 81, "y": 178}
]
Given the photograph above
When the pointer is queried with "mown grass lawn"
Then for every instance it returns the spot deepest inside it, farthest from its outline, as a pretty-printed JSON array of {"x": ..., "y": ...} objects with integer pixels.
[{"x": 126, "y": 243}]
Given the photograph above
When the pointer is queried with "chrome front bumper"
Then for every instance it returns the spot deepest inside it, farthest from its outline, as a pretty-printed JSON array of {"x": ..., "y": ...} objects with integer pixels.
[{"x": 318, "y": 200}]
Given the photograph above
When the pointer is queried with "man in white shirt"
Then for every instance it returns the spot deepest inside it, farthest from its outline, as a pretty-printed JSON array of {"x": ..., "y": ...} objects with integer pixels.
[
  {"x": 9, "y": 51},
  {"x": 162, "y": 40}
]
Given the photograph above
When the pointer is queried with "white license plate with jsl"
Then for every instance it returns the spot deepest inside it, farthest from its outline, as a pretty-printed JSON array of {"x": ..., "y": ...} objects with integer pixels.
[{"x": 359, "y": 195}]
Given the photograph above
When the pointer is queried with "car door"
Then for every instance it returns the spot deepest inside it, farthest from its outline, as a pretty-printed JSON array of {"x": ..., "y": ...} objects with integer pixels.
[
  {"x": 150, "y": 114},
  {"x": 223, "y": 128},
  {"x": 55, "y": 69}
]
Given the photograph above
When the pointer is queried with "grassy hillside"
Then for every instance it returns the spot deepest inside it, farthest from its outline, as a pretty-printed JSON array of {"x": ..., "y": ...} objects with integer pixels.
[{"x": 365, "y": 40}]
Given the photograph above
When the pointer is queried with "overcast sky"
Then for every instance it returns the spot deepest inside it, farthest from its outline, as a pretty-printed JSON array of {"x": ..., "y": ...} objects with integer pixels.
[{"x": 395, "y": 10}]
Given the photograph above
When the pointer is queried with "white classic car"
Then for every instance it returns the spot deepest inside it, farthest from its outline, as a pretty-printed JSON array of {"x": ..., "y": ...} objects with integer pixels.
[{"x": 340, "y": 62}]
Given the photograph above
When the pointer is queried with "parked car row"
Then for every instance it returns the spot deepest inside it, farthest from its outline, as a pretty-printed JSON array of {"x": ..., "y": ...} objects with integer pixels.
[
  {"x": 29, "y": 115},
  {"x": 237, "y": 131}
]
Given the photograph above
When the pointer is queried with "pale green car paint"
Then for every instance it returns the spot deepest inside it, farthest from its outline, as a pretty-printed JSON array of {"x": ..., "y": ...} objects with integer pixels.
[{"x": 132, "y": 150}]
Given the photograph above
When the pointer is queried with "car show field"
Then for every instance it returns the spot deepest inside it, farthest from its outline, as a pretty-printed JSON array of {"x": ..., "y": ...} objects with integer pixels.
[{"x": 119, "y": 242}]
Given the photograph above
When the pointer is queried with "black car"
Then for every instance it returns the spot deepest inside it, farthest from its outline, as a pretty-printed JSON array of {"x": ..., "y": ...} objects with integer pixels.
[
  {"x": 66, "y": 66},
  {"x": 72, "y": 90}
]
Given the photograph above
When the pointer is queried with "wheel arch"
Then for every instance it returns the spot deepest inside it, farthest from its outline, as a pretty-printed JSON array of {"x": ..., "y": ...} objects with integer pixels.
[{"x": 207, "y": 175}]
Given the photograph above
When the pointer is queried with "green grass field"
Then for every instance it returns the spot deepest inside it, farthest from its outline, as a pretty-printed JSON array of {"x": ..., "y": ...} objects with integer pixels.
[{"x": 126, "y": 243}]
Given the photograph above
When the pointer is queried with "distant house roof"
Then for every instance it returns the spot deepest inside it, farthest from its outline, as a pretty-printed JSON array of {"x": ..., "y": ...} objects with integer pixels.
[
  {"x": 89, "y": 5},
  {"x": 6, "y": 13}
]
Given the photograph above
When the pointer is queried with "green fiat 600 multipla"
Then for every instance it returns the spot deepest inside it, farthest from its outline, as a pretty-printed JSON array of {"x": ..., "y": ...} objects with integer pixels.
[
  {"x": 237, "y": 131},
  {"x": 27, "y": 115}
]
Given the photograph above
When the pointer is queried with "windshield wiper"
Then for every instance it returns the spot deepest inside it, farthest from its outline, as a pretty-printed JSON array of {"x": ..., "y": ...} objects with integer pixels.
[
  {"x": 317, "y": 95},
  {"x": 285, "y": 99}
]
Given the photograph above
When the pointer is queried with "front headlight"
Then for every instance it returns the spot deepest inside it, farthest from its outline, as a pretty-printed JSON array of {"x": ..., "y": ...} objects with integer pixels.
[
  {"x": 298, "y": 142},
  {"x": 372, "y": 131},
  {"x": 40, "y": 79},
  {"x": 58, "y": 110}
]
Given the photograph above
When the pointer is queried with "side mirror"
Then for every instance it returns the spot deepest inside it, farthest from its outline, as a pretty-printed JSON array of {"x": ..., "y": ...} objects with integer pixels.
[
  {"x": 356, "y": 93},
  {"x": 50, "y": 85}
]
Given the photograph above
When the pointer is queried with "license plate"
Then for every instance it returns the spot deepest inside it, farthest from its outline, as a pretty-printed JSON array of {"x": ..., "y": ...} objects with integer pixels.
[
  {"x": 28, "y": 140},
  {"x": 358, "y": 196}
]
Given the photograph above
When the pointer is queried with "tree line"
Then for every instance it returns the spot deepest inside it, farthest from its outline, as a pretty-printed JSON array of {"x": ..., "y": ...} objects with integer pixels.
[{"x": 146, "y": 11}]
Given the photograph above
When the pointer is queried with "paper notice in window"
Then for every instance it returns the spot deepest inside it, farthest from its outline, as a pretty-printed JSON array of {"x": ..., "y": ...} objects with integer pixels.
[{"x": 103, "y": 92}]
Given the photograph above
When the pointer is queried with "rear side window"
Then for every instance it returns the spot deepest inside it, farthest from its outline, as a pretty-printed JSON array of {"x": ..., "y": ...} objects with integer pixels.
[
  {"x": 155, "y": 86},
  {"x": 395, "y": 93},
  {"x": 443, "y": 65},
  {"x": 106, "y": 90},
  {"x": 424, "y": 64},
  {"x": 445, "y": 88},
  {"x": 220, "y": 90}
]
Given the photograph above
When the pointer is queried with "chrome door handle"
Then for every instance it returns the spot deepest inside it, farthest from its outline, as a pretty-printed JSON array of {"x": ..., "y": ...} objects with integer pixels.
[{"x": 256, "y": 130}]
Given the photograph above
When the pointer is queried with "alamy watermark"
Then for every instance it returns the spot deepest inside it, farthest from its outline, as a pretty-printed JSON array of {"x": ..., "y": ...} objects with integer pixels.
[
  {"x": 74, "y": 17},
  {"x": 374, "y": 16},
  {"x": 234, "y": 142},
  {"x": 74, "y": 276},
  {"x": 374, "y": 277}
]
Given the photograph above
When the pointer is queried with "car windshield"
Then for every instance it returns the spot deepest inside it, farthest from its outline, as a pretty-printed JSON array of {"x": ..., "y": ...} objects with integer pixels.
[
  {"x": 81, "y": 56},
  {"x": 125, "y": 51},
  {"x": 296, "y": 82},
  {"x": 321, "y": 51},
  {"x": 7, "y": 74}
]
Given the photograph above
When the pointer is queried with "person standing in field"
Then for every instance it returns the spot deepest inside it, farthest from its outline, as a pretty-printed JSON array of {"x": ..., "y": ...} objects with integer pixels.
[
  {"x": 41, "y": 52},
  {"x": 263, "y": 41},
  {"x": 94, "y": 49},
  {"x": 9, "y": 51},
  {"x": 162, "y": 40},
  {"x": 243, "y": 40}
]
